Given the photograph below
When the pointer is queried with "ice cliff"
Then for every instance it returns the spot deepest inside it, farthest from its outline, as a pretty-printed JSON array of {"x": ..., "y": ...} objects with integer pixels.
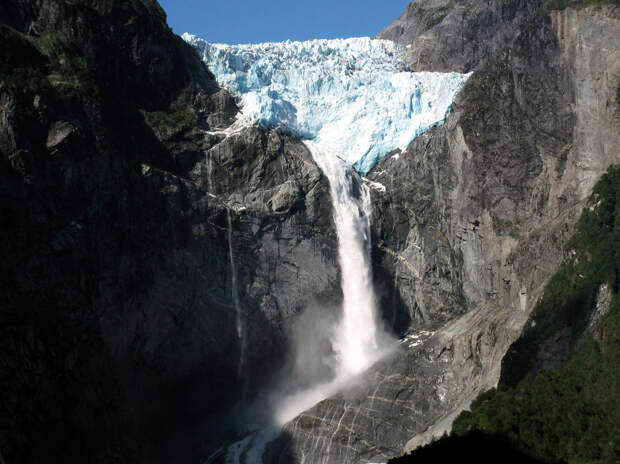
[{"x": 356, "y": 98}]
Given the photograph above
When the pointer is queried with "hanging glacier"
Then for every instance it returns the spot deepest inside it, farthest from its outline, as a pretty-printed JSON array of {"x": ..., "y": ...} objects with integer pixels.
[{"x": 355, "y": 98}]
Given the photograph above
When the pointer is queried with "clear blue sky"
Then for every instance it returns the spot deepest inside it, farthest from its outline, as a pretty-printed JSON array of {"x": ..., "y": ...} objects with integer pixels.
[{"x": 247, "y": 21}]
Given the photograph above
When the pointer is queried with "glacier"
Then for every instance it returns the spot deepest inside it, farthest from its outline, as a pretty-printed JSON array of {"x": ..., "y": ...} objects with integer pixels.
[
  {"x": 354, "y": 98},
  {"x": 354, "y": 101}
]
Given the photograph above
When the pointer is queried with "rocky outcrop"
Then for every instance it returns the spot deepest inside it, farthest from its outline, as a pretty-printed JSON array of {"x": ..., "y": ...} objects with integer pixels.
[
  {"x": 473, "y": 221},
  {"x": 602, "y": 308}
]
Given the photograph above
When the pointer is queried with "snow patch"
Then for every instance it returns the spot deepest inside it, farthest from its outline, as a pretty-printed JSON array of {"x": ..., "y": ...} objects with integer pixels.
[
  {"x": 375, "y": 185},
  {"x": 415, "y": 339}
]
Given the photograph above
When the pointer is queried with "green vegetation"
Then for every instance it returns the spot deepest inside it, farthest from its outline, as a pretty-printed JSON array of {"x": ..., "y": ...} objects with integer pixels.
[
  {"x": 570, "y": 295},
  {"x": 20, "y": 62},
  {"x": 32, "y": 63},
  {"x": 131, "y": 6},
  {"x": 175, "y": 119},
  {"x": 474, "y": 446},
  {"x": 502, "y": 227},
  {"x": 16, "y": 51},
  {"x": 67, "y": 67},
  {"x": 570, "y": 414}
]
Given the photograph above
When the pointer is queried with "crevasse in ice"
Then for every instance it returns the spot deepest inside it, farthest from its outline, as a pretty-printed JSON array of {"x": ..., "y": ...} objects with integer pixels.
[{"x": 356, "y": 98}]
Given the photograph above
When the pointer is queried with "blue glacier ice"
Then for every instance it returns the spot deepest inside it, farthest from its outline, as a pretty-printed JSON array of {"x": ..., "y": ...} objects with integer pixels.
[{"x": 355, "y": 98}]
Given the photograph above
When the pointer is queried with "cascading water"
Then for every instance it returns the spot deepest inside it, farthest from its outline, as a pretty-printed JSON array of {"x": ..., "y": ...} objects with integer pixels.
[
  {"x": 356, "y": 339},
  {"x": 353, "y": 100},
  {"x": 239, "y": 321}
]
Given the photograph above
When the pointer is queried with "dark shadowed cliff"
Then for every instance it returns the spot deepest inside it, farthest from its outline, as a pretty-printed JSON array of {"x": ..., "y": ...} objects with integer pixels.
[{"x": 121, "y": 206}]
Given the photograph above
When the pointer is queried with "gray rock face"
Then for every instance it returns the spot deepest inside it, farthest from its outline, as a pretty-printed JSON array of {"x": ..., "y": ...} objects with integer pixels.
[
  {"x": 282, "y": 257},
  {"x": 471, "y": 225},
  {"x": 122, "y": 203},
  {"x": 603, "y": 305},
  {"x": 403, "y": 396},
  {"x": 457, "y": 35}
]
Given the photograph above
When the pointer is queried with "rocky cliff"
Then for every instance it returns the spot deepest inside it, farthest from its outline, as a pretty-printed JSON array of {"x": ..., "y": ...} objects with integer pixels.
[
  {"x": 565, "y": 408},
  {"x": 448, "y": 35},
  {"x": 138, "y": 234}
]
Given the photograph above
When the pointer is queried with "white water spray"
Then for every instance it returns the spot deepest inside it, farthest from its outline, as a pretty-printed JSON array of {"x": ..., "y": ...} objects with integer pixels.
[
  {"x": 358, "y": 341},
  {"x": 355, "y": 340}
]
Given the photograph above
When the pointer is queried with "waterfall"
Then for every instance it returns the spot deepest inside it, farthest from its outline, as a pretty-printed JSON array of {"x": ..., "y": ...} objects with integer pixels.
[
  {"x": 355, "y": 340},
  {"x": 358, "y": 341},
  {"x": 239, "y": 322}
]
